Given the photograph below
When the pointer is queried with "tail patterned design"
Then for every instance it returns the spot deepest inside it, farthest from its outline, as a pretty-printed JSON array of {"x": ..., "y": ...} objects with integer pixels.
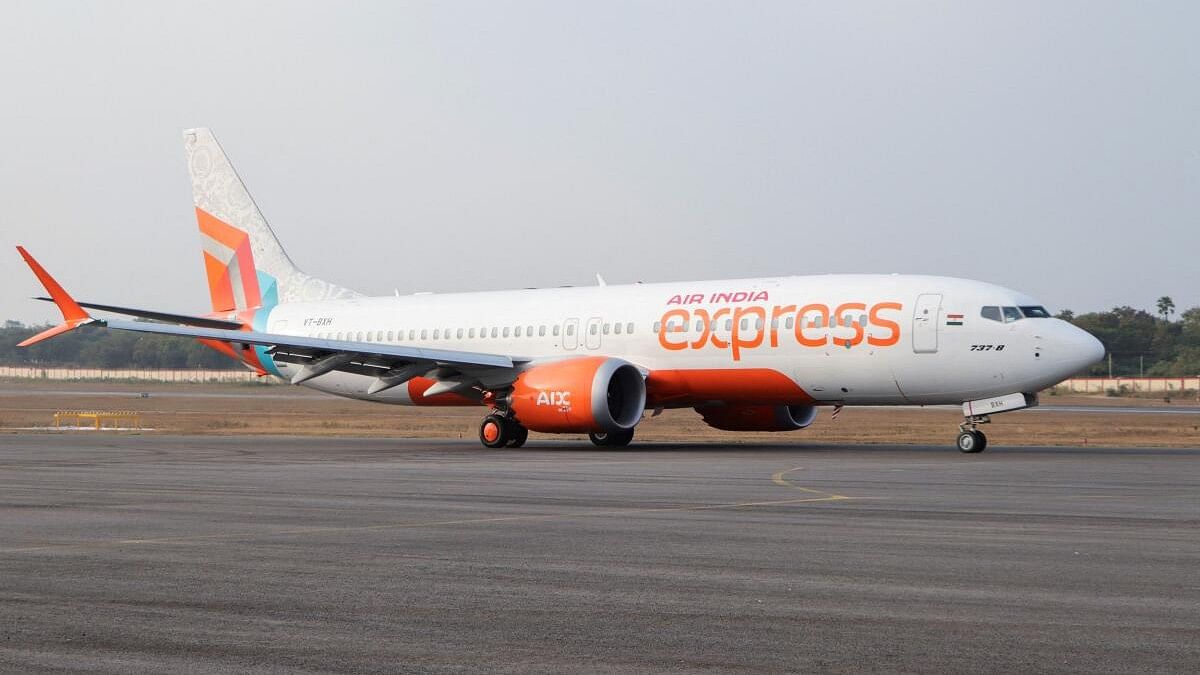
[{"x": 247, "y": 267}]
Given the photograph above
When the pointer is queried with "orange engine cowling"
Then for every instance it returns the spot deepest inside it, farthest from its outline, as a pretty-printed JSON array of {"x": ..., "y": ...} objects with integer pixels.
[
  {"x": 758, "y": 417},
  {"x": 590, "y": 393}
]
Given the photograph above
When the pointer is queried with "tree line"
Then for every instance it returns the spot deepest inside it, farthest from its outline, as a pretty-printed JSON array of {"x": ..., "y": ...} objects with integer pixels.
[
  {"x": 99, "y": 348},
  {"x": 1140, "y": 343}
]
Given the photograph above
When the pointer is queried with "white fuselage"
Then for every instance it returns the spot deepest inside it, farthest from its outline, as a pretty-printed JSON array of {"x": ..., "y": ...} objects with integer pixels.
[{"x": 898, "y": 339}]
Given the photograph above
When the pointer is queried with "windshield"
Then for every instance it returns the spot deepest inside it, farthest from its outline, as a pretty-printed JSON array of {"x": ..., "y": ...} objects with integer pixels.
[{"x": 1035, "y": 312}]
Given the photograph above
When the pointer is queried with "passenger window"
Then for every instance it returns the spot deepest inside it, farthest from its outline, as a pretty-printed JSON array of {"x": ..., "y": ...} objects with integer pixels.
[
  {"x": 629, "y": 328},
  {"x": 379, "y": 336},
  {"x": 424, "y": 333},
  {"x": 606, "y": 329},
  {"x": 390, "y": 336},
  {"x": 758, "y": 324},
  {"x": 788, "y": 322},
  {"x": 471, "y": 333},
  {"x": 412, "y": 334},
  {"x": 617, "y": 328},
  {"x": 728, "y": 324},
  {"x": 529, "y": 331},
  {"x": 360, "y": 337},
  {"x": 494, "y": 331},
  {"x": 571, "y": 329},
  {"x": 542, "y": 330},
  {"x": 745, "y": 324},
  {"x": 592, "y": 329},
  {"x": 518, "y": 332},
  {"x": 1011, "y": 314},
  {"x": 1034, "y": 312},
  {"x": 459, "y": 334},
  {"x": 657, "y": 326},
  {"x": 506, "y": 331},
  {"x": 554, "y": 330}
]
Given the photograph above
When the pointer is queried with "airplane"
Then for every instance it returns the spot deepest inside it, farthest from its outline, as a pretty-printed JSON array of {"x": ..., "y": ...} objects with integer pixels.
[{"x": 760, "y": 354}]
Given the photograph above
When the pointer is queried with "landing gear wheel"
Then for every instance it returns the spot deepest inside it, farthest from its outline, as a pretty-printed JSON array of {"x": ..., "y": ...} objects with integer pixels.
[
  {"x": 972, "y": 441},
  {"x": 611, "y": 439},
  {"x": 519, "y": 435},
  {"x": 494, "y": 431}
]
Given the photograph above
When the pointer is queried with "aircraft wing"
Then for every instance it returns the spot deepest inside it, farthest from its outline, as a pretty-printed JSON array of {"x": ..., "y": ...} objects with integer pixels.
[{"x": 392, "y": 365}]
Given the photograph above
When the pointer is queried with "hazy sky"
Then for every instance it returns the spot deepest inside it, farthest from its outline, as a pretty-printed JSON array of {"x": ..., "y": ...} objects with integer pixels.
[{"x": 1053, "y": 147}]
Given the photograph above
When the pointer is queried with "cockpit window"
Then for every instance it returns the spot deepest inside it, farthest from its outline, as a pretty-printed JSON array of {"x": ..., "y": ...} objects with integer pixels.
[
  {"x": 991, "y": 312},
  {"x": 1034, "y": 312},
  {"x": 1011, "y": 314}
]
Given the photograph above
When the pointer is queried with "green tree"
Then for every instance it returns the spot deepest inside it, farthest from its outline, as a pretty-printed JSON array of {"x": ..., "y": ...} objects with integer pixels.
[{"x": 1166, "y": 307}]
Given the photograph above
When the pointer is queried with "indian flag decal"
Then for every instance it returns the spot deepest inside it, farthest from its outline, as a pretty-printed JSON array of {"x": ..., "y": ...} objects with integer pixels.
[{"x": 954, "y": 319}]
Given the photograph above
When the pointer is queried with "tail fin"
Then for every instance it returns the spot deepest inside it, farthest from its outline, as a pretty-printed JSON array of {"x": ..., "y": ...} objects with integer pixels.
[{"x": 247, "y": 268}]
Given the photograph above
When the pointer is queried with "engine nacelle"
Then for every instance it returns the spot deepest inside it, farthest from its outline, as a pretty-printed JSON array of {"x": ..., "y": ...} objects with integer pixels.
[
  {"x": 758, "y": 417},
  {"x": 585, "y": 394}
]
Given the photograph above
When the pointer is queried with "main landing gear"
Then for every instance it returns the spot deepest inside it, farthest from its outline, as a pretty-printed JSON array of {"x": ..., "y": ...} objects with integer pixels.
[
  {"x": 500, "y": 431},
  {"x": 970, "y": 438},
  {"x": 611, "y": 439}
]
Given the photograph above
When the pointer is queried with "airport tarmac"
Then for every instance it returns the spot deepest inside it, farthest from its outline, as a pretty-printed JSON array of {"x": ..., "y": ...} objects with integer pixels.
[{"x": 154, "y": 553}]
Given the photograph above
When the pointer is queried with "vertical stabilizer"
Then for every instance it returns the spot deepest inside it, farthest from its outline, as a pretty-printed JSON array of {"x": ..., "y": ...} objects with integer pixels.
[{"x": 247, "y": 268}]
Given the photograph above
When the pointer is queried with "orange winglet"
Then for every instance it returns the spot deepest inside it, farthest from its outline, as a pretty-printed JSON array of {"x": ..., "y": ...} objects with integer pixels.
[{"x": 73, "y": 315}]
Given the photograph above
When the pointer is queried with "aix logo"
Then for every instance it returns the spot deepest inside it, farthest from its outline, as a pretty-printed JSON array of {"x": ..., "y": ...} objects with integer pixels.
[{"x": 558, "y": 399}]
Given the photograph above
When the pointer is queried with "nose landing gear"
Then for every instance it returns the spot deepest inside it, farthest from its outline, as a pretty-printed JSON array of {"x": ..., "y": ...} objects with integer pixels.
[{"x": 970, "y": 438}]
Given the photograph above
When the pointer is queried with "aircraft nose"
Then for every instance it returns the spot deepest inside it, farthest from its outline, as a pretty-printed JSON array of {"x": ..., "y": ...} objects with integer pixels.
[{"x": 1082, "y": 349}]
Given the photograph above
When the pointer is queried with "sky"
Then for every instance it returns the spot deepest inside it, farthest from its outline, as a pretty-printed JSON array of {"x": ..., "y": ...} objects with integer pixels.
[{"x": 1051, "y": 147}]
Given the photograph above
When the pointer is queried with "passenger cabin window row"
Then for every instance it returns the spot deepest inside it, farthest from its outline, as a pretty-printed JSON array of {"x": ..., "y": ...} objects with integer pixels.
[
  {"x": 483, "y": 332},
  {"x": 1011, "y": 314}
]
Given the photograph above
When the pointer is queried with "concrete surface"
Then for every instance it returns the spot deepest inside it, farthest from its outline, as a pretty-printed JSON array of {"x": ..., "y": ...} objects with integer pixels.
[{"x": 225, "y": 554}]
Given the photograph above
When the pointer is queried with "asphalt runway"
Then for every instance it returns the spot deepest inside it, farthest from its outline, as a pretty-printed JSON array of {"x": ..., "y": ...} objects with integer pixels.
[{"x": 225, "y": 554}]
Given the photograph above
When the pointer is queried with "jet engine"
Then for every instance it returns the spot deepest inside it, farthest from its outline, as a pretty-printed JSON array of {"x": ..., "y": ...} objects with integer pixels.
[
  {"x": 758, "y": 417},
  {"x": 580, "y": 395}
]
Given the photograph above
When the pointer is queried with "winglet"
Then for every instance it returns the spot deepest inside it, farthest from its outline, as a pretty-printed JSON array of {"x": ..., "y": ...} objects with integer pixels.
[{"x": 73, "y": 315}]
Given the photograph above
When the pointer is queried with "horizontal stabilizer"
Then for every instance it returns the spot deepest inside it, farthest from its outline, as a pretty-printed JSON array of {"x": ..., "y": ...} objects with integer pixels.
[{"x": 184, "y": 319}]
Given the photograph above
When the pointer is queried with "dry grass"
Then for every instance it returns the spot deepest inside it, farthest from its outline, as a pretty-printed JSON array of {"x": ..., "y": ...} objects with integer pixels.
[{"x": 243, "y": 410}]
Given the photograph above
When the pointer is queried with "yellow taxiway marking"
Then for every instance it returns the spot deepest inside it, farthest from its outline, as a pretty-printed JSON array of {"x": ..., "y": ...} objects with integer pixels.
[{"x": 779, "y": 479}]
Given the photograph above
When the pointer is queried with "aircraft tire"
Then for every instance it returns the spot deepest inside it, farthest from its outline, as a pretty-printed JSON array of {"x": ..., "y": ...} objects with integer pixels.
[
  {"x": 494, "y": 432},
  {"x": 519, "y": 435},
  {"x": 614, "y": 439},
  {"x": 971, "y": 442}
]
